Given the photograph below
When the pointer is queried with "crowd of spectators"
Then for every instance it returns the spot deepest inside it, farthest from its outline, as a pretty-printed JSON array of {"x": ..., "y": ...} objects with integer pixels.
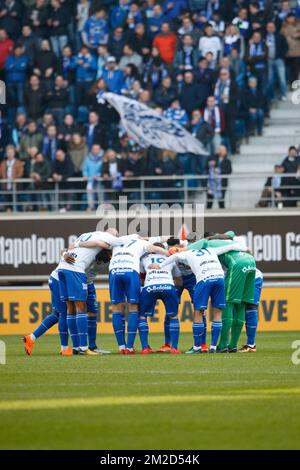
[{"x": 213, "y": 66}]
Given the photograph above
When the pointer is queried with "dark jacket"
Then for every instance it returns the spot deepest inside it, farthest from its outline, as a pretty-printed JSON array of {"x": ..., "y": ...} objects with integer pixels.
[
  {"x": 97, "y": 137},
  {"x": 253, "y": 99},
  {"x": 139, "y": 43},
  {"x": 180, "y": 58},
  {"x": 43, "y": 169},
  {"x": 205, "y": 81},
  {"x": 115, "y": 47},
  {"x": 57, "y": 98},
  {"x": 65, "y": 168},
  {"x": 45, "y": 60},
  {"x": 120, "y": 166},
  {"x": 189, "y": 97},
  {"x": 281, "y": 46},
  {"x": 164, "y": 96},
  {"x": 225, "y": 167},
  {"x": 61, "y": 16},
  {"x": 34, "y": 102}
]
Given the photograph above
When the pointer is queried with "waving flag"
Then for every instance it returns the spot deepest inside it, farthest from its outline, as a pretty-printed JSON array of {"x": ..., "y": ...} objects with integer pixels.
[{"x": 148, "y": 127}]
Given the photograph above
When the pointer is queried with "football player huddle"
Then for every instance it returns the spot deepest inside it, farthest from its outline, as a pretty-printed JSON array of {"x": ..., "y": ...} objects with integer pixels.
[{"x": 218, "y": 268}]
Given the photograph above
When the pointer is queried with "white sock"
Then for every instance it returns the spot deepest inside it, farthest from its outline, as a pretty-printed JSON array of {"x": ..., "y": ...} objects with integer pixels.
[
  {"x": 64, "y": 348},
  {"x": 197, "y": 348},
  {"x": 32, "y": 337},
  {"x": 122, "y": 347},
  {"x": 213, "y": 347}
]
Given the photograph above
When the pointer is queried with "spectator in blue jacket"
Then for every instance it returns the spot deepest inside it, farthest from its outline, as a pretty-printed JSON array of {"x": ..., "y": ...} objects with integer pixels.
[
  {"x": 118, "y": 15},
  {"x": 113, "y": 76},
  {"x": 173, "y": 8},
  {"x": 16, "y": 67},
  {"x": 134, "y": 16},
  {"x": 86, "y": 67},
  {"x": 91, "y": 170},
  {"x": 154, "y": 22},
  {"x": 95, "y": 30}
]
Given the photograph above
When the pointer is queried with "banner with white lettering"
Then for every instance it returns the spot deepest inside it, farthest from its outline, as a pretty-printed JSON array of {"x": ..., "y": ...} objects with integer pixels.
[
  {"x": 148, "y": 127},
  {"x": 33, "y": 247}
]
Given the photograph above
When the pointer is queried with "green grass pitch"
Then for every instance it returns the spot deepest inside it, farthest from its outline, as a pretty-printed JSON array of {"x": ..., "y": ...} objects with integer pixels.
[{"x": 237, "y": 401}]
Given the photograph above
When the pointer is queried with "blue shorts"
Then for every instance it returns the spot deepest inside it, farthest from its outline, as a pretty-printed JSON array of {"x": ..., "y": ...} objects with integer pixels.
[
  {"x": 57, "y": 304},
  {"x": 72, "y": 285},
  {"x": 92, "y": 304},
  {"x": 188, "y": 282},
  {"x": 210, "y": 288},
  {"x": 124, "y": 285},
  {"x": 258, "y": 289},
  {"x": 164, "y": 292}
]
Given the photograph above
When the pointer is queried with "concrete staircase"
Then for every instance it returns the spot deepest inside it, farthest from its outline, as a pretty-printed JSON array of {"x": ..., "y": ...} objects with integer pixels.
[{"x": 262, "y": 153}]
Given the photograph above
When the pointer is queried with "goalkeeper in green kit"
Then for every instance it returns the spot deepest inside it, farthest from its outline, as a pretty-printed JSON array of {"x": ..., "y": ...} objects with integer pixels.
[{"x": 239, "y": 284}]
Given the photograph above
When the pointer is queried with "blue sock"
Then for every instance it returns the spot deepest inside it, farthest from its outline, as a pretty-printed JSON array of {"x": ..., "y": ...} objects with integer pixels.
[
  {"x": 133, "y": 321},
  {"x": 216, "y": 328},
  {"x": 198, "y": 333},
  {"x": 144, "y": 332},
  {"x": 167, "y": 329},
  {"x": 82, "y": 326},
  {"x": 251, "y": 326},
  {"x": 45, "y": 325},
  {"x": 72, "y": 326},
  {"x": 174, "y": 332},
  {"x": 92, "y": 331},
  {"x": 203, "y": 341},
  {"x": 118, "y": 321},
  {"x": 63, "y": 330}
]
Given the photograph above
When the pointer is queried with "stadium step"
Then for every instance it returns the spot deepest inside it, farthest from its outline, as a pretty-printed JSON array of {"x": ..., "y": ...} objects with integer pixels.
[
  {"x": 260, "y": 154},
  {"x": 280, "y": 140}
]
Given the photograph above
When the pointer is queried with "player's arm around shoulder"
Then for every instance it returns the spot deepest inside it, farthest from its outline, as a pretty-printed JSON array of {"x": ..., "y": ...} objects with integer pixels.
[{"x": 91, "y": 244}]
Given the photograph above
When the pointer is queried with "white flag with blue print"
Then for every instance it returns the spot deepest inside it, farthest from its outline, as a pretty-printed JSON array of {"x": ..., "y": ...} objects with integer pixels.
[{"x": 147, "y": 127}]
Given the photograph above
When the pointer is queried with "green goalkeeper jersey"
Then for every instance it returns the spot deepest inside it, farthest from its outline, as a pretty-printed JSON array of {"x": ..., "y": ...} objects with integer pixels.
[{"x": 240, "y": 276}]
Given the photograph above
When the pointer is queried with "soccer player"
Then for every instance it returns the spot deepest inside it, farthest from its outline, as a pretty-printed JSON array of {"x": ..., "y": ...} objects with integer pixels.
[
  {"x": 188, "y": 283},
  {"x": 159, "y": 285},
  {"x": 239, "y": 283},
  {"x": 58, "y": 315},
  {"x": 124, "y": 284},
  {"x": 252, "y": 315},
  {"x": 102, "y": 260},
  {"x": 209, "y": 274},
  {"x": 73, "y": 283}
]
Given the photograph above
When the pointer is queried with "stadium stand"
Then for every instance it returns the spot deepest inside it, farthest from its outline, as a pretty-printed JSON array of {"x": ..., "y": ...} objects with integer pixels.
[{"x": 222, "y": 69}]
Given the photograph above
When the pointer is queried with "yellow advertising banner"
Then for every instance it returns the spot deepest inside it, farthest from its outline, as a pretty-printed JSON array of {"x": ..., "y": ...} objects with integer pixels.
[{"x": 21, "y": 310}]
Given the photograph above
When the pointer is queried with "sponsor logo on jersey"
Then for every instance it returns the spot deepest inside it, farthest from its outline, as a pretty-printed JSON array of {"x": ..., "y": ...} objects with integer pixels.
[
  {"x": 159, "y": 288},
  {"x": 121, "y": 270},
  {"x": 247, "y": 269}
]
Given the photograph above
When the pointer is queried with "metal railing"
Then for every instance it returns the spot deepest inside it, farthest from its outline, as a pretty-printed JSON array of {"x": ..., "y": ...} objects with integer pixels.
[{"x": 75, "y": 194}]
